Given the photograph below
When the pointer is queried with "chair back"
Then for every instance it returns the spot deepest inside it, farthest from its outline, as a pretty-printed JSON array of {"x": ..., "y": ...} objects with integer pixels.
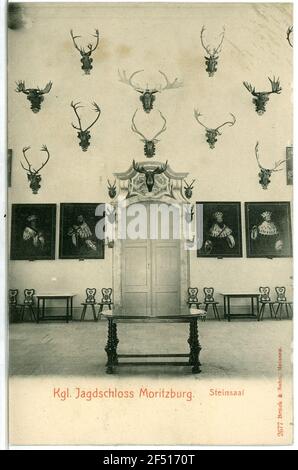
[
  {"x": 264, "y": 294},
  {"x": 280, "y": 294},
  {"x": 13, "y": 296},
  {"x": 28, "y": 296},
  {"x": 209, "y": 294},
  {"x": 90, "y": 295},
  {"x": 193, "y": 295},
  {"x": 106, "y": 296}
]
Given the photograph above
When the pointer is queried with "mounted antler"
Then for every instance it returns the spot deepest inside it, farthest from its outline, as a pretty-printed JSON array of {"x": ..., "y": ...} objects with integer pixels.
[
  {"x": 261, "y": 97},
  {"x": 289, "y": 34},
  {"x": 149, "y": 174},
  {"x": 212, "y": 59},
  {"x": 188, "y": 188},
  {"x": 84, "y": 134},
  {"x": 147, "y": 94},
  {"x": 34, "y": 95},
  {"x": 33, "y": 175},
  {"x": 211, "y": 134},
  {"x": 265, "y": 173},
  {"x": 112, "y": 189},
  {"x": 149, "y": 145},
  {"x": 86, "y": 59}
]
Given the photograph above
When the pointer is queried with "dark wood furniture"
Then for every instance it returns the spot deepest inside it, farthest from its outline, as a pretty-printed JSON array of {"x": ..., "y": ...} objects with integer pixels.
[
  {"x": 282, "y": 302},
  {"x": 12, "y": 304},
  {"x": 106, "y": 300},
  {"x": 91, "y": 302},
  {"x": 192, "y": 298},
  {"x": 41, "y": 299},
  {"x": 28, "y": 304},
  {"x": 209, "y": 300},
  {"x": 112, "y": 342},
  {"x": 264, "y": 300},
  {"x": 254, "y": 298}
]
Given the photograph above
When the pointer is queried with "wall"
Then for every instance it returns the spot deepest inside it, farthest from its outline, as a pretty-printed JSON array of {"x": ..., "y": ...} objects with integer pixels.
[{"x": 153, "y": 38}]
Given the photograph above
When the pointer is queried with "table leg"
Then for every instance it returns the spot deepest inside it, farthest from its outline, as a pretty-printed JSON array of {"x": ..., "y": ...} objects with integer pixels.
[
  {"x": 71, "y": 307},
  {"x": 258, "y": 307},
  {"x": 110, "y": 348},
  {"x": 43, "y": 307},
  {"x": 229, "y": 308},
  {"x": 115, "y": 343},
  {"x": 195, "y": 347},
  {"x": 252, "y": 306},
  {"x": 225, "y": 307},
  {"x": 67, "y": 309},
  {"x": 38, "y": 309}
]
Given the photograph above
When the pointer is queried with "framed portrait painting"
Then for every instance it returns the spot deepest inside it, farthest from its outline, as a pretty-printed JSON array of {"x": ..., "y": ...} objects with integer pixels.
[
  {"x": 78, "y": 239},
  {"x": 33, "y": 232},
  {"x": 219, "y": 229},
  {"x": 268, "y": 229}
]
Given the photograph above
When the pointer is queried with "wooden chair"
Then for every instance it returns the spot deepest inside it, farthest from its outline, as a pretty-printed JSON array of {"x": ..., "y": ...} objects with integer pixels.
[
  {"x": 282, "y": 302},
  {"x": 28, "y": 304},
  {"x": 106, "y": 300},
  {"x": 193, "y": 297},
  {"x": 264, "y": 300},
  {"x": 13, "y": 305},
  {"x": 90, "y": 301},
  {"x": 209, "y": 300}
]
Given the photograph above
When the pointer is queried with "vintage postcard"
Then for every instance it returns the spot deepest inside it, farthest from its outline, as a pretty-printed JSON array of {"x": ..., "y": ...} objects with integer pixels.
[{"x": 149, "y": 219}]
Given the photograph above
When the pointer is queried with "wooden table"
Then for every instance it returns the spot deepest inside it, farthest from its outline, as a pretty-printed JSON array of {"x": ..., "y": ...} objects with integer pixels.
[
  {"x": 253, "y": 296},
  {"x": 41, "y": 299},
  {"x": 112, "y": 342}
]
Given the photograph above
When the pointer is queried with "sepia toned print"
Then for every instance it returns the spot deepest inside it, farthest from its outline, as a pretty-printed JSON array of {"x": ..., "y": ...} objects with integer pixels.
[{"x": 147, "y": 323}]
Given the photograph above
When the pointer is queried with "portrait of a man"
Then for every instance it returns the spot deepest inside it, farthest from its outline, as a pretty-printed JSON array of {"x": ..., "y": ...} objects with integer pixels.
[
  {"x": 268, "y": 228},
  {"x": 78, "y": 239},
  {"x": 221, "y": 229},
  {"x": 33, "y": 231}
]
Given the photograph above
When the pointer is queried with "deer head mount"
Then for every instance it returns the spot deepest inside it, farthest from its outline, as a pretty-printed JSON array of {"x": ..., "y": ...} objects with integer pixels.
[
  {"x": 211, "y": 134},
  {"x": 188, "y": 189},
  {"x": 150, "y": 174},
  {"x": 84, "y": 134},
  {"x": 290, "y": 35},
  {"x": 189, "y": 213},
  {"x": 148, "y": 94},
  {"x": 212, "y": 54},
  {"x": 261, "y": 97},
  {"x": 86, "y": 59},
  {"x": 265, "y": 173},
  {"x": 34, "y": 95},
  {"x": 112, "y": 189},
  {"x": 149, "y": 145},
  {"x": 33, "y": 175}
]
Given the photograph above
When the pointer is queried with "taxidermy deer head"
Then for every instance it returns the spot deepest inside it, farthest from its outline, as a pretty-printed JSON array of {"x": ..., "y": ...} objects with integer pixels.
[
  {"x": 112, "y": 189},
  {"x": 86, "y": 55},
  {"x": 34, "y": 95},
  {"x": 149, "y": 174},
  {"x": 265, "y": 173},
  {"x": 188, "y": 189},
  {"x": 149, "y": 145},
  {"x": 148, "y": 94},
  {"x": 261, "y": 97},
  {"x": 33, "y": 175},
  {"x": 211, "y": 134},
  {"x": 84, "y": 134},
  {"x": 212, "y": 55},
  {"x": 290, "y": 35}
]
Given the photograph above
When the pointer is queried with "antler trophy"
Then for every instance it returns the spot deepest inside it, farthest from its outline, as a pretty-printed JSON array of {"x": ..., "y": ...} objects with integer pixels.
[
  {"x": 290, "y": 35},
  {"x": 86, "y": 55},
  {"x": 212, "y": 59},
  {"x": 149, "y": 145},
  {"x": 150, "y": 174},
  {"x": 34, "y": 95},
  {"x": 33, "y": 175},
  {"x": 84, "y": 134},
  {"x": 265, "y": 173},
  {"x": 261, "y": 97},
  {"x": 211, "y": 134},
  {"x": 148, "y": 94}
]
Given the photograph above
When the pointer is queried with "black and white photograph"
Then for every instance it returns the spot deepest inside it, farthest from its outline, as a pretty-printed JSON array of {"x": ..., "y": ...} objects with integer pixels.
[
  {"x": 268, "y": 229},
  {"x": 33, "y": 232},
  {"x": 221, "y": 229}
]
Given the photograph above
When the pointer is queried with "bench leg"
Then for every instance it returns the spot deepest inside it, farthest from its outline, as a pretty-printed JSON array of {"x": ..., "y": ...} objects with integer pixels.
[
  {"x": 195, "y": 347},
  {"x": 94, "y": 312},
  {"x": 110, "y": 347},
  {"x": 83, "y": 312}
]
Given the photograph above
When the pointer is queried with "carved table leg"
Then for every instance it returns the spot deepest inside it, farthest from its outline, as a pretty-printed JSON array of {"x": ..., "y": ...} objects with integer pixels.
[
  {"x": 115, "y": 343},
  {"x": 195, "y": 347},
  {"x": 110, "y": 347}
]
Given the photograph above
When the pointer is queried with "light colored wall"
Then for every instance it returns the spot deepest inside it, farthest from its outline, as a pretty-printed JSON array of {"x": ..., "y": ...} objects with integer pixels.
[{"x": 151, "y": 38}]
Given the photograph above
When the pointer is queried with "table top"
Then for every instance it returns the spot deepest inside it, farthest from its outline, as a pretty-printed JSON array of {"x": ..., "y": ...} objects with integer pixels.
[
  {"x": 56, "y": 295},
  {"x": 152, "y": 319},
  {"x": 240, "y": 294}
]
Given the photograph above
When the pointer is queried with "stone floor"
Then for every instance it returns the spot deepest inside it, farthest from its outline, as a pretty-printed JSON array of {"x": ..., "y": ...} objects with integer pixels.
[{"x": 241, "y": 348}]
